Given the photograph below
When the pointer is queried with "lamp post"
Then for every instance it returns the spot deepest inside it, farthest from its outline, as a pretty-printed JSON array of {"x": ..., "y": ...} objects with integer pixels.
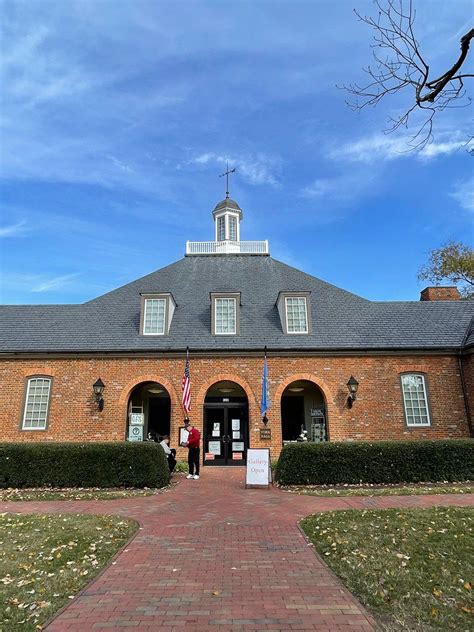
[
  {"x": 352, "y": 385},
  {"x": 98, "y": 387}
]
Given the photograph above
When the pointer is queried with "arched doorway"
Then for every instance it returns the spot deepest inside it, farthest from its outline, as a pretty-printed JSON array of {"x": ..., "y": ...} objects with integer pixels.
[
  {"x": 303, "y": 413},
  {"x": 226, "y": 424},
  {"x": 149, "y": 412}
]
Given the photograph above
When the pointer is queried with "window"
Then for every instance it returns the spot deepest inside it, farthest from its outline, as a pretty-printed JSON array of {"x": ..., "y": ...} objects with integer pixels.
[
  {"x": 225, "y": 313},
  {"x": 221, "y": 229},
  {"x": 157, "y": 310},
  {"x": 296, "y": 316},
  {"x": 232, "y": 228},
  {"x": 36, "y": 403},
  {"x": 415, "y": 400},
  {"x": 154, "y": 321}
]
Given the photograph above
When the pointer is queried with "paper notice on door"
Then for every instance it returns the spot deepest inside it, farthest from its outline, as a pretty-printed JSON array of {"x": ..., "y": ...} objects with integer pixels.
[
  {"x": 235, "y": 424},
  {"x": 214, "y": 447},
  {"x": 237, "y": 446},
  {"x": 216, "y": 429},
  {"x": 235, "y": 434}
]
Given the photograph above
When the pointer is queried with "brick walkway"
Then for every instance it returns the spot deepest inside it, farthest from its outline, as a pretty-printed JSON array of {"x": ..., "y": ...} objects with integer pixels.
[{"x": 211, "y": 554}]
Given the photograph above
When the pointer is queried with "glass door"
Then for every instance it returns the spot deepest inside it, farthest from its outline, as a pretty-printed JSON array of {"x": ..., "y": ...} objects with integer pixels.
[
  {"x": 215, "y": 448},
  {"x": 225, "y": 434},
  {"x": 237, "y": 435}
]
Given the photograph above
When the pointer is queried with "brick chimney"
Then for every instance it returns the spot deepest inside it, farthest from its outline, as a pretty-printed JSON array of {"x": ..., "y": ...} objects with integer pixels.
[{"x": 440, "y": 293}]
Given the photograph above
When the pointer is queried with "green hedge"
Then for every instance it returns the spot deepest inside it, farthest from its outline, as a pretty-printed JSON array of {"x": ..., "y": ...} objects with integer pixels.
[
  {"x": 113, "y": 464},
  {"x": 377, "y": 462}
]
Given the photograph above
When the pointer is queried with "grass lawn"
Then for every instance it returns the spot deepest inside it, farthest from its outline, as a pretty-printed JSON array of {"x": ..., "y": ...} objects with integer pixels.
[
  {"x": 381, "y": 490},
  {"x": 412, "y": 568},
  {"x": 93, "y": 493},
  {"x": 46, "y": 559}
]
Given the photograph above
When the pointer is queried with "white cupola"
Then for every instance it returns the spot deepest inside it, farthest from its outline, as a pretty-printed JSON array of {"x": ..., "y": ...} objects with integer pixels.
[{"x": 227, "y": 217}]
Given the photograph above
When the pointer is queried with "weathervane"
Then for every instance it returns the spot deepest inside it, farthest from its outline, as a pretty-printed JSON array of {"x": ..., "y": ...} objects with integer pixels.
[{"x": 226, "y": 174}]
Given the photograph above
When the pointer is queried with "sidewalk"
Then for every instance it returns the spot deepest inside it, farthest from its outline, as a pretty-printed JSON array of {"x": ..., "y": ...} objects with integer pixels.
[{"x": 211, "y": 554}]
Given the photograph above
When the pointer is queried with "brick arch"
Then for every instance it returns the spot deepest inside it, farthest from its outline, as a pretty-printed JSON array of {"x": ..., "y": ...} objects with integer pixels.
[
  {"x": 301, "y": 376},
  {"x": 411, "y": 368},
  {"x": 45, "y": 370},
  {"x": 225, "y": 377},
  {"x": 128, "y": 388}
]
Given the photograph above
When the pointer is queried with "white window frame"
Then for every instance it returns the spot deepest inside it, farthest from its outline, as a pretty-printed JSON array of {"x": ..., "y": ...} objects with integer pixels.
[
  {"x": 44, "y": 421},
  {"x": 221, "y": 224},
  {"x": 233, "y": 300},
  {"x": 233, "y": 221},
  {"x": 300, "y": 298},
  {"x": 162, "y": 299},
  {"x": 413, "y": 424}
]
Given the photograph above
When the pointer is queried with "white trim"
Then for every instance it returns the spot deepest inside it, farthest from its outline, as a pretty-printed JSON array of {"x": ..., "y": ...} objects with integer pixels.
[
  {"x": 154, "y": 333},
  {"x": 287, "y": 298},
  {"x": 225, "y": 333},
  {"x": 45, "y": 421},
  {"x": 426, "y": 407}
]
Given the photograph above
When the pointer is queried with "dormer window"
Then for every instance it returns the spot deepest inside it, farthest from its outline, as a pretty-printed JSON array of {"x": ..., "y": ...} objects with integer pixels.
[
  {"x": 225, "y": 314},
  {"x": 156, "y": 314},
  {"x": 295, "y": 313}
]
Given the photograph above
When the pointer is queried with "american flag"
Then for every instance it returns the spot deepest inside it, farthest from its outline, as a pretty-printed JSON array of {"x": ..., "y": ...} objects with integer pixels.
[{"x": 186, "y": 386}]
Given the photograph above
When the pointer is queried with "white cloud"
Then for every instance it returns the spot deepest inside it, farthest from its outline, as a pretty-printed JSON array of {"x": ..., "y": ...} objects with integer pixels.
[
  {"x": 340, "y": 190},
  {"x": 463, "y": 193},
  {"x": 14, "y": 230},
  {"x": 121, "y": 165},
  {"x": 256, "y": 169},
  {"x": 54, "y": 283},
  {"x": 380, "y": 147}
]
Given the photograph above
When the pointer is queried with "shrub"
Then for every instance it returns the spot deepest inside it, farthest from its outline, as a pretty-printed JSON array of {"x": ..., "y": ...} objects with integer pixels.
[
  {"x": 377, "y": 462},
  {"x": 112, "y": 464}
]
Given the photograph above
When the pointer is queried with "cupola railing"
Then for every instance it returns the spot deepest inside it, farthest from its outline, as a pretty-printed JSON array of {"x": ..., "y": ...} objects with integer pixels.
[{"x": 227, "y": 247}]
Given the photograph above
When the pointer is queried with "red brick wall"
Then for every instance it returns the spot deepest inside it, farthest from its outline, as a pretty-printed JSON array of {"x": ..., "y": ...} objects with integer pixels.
[
  {"x": 440, "y": 293},
  {"x": 468, "y": 365},
  {"x": 377, "y": 413}
]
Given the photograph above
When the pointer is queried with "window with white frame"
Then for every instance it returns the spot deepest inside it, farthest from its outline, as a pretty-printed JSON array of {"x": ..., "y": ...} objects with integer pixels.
[
  {"x": 232, "y": 228},
  {"x": 296, "y": 315},
  {"x": 35, "y": 414},
  {"x": 221, "y": 229},
  {"x": 225, "y": 315},
  {"x": 415, "y": 400},
  {"x": 155, "y": 315}
]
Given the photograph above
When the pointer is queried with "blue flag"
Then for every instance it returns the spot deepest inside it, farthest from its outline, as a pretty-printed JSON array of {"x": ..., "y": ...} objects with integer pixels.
[{"x": 265, "y": 405}]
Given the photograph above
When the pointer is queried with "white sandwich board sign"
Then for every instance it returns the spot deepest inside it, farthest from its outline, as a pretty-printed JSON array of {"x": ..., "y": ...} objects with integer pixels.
[{"x": 259, "y": 471}]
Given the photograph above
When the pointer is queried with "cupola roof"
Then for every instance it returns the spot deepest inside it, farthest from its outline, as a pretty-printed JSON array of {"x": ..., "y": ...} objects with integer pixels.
[{"x": 227, "y": 205}]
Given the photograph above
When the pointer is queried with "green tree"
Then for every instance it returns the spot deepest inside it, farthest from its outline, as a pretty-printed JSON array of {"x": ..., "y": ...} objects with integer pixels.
[{"x": 453, "y": 262}]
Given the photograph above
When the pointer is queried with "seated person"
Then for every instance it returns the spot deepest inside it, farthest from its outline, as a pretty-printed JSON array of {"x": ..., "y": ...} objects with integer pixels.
[{"x": 170, "y": 453}]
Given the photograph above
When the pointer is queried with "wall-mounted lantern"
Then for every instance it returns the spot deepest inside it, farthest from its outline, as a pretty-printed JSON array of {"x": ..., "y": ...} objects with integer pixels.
[
  {"x": 352, "y": 385},
  {"x": 98, "y": 390}
]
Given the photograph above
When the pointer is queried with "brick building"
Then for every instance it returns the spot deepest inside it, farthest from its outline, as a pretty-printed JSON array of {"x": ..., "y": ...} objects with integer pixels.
[{"x": 227, "y": 300}]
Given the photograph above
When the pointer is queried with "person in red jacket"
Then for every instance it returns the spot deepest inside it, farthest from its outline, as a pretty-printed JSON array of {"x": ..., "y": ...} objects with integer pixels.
[{"x": 192, "y": 444}]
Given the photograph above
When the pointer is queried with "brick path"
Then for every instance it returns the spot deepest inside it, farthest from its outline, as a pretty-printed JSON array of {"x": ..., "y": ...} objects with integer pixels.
[{"x": 211, "y": 554}]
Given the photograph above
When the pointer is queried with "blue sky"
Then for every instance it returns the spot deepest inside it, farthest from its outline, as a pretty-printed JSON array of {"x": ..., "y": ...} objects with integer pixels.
[{"x": 117, "y": 118}]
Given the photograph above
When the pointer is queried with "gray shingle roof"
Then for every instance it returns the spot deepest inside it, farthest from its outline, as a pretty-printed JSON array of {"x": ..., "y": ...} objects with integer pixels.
[{"x": 341, "y": 320}]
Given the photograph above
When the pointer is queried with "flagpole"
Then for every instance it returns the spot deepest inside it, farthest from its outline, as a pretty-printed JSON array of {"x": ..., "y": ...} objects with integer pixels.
[
  {"x": 264, "y": 402},
  {"x": 186, "y": 387}
]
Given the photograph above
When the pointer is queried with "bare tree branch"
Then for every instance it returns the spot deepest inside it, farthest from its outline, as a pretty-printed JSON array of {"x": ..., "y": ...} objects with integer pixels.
[{"x": 400, "y": 65}]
